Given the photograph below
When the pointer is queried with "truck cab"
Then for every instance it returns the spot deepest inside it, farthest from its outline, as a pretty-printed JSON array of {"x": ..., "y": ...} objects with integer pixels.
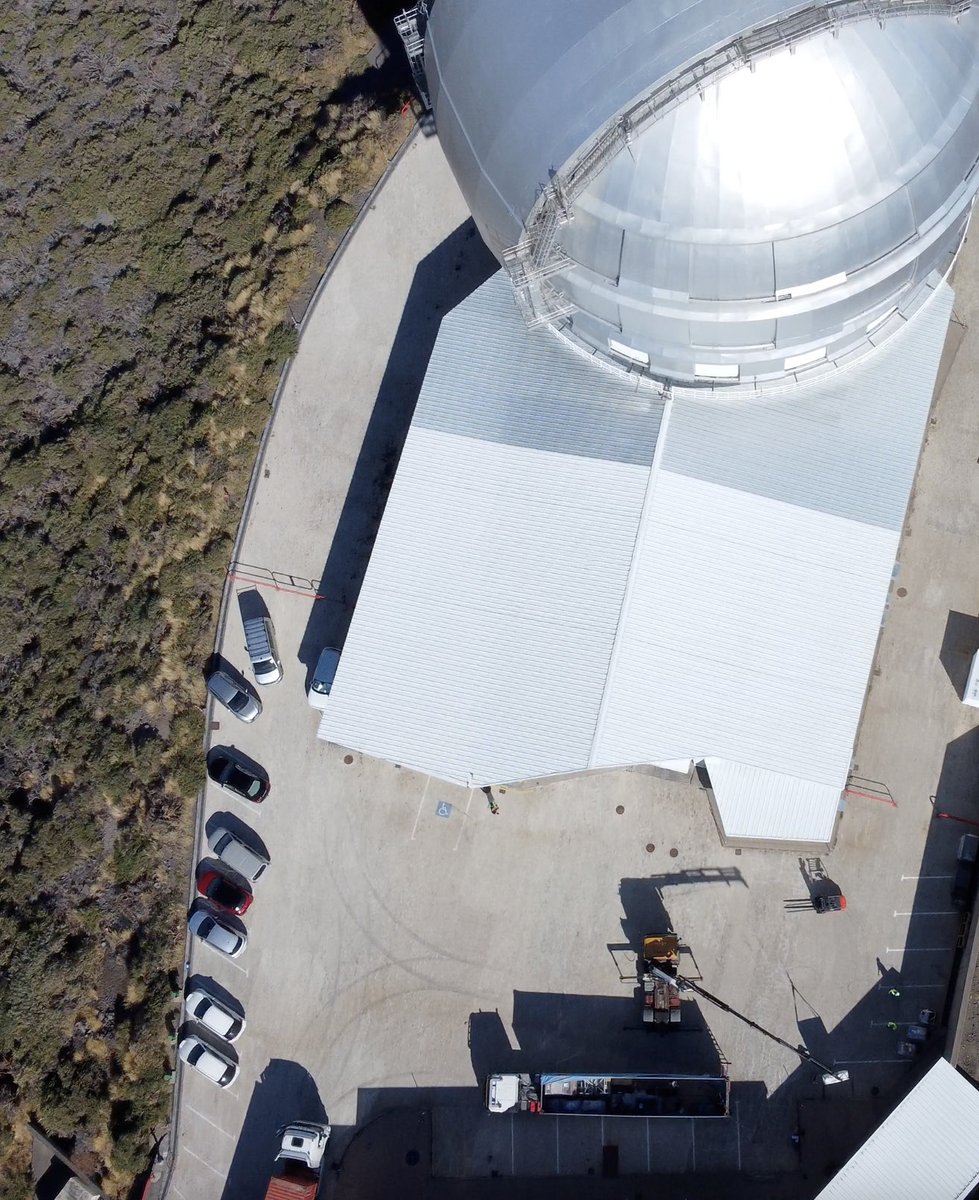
[
  {"x": 304, "y": 1142},
  {"x": 299, "y": 1161}
]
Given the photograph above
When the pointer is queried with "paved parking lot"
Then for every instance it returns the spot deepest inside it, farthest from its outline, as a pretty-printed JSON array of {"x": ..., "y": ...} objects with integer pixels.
[{"x": 405, "y": 940}]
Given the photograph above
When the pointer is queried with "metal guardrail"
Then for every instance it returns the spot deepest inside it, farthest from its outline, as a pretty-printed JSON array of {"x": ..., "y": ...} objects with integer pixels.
[
  {"x": 411, "y": 24},
  {"x": 536, "y": 255}
]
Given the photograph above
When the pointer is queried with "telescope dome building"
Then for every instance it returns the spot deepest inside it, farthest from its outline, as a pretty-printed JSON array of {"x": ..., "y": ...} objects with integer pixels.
[
  {"x": 650, "y": 504},
  {"x": 712, "y": 192}
]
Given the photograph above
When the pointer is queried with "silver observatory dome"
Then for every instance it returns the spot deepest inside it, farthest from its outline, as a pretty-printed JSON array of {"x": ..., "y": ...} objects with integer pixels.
[{"x": 711, "y": 192}]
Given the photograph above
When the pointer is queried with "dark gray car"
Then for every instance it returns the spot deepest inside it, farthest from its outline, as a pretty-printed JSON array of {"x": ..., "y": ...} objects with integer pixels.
[{"x": 233, "y": 696}]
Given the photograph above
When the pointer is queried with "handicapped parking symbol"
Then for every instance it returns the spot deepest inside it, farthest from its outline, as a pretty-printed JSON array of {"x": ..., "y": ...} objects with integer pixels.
[{"x": 443, "y": 809}]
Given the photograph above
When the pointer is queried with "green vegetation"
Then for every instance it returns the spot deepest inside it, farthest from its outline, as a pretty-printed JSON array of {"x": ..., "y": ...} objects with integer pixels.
[{"x": 176, "y": 171}]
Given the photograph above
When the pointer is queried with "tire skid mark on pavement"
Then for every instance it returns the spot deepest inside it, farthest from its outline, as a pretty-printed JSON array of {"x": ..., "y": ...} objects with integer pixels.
[
  {"x": 348, "y": 1045},
  {"x": 366, "y": 885}
]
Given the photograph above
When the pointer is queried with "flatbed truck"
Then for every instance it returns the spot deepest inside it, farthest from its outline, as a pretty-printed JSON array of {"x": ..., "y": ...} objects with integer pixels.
[{"x": 605, "y": 1095}]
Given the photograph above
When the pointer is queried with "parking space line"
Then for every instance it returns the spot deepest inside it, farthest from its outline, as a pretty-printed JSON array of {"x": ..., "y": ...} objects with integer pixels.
[
  {"x": 907, "y": 987},
  {"x": 238, "y": 966},
  {"x": 865, "y": 1062},
  {"x": 190, "y": 1108},
  {"x": 917, "y": 949},
  {"x": 887, "y": 1024},
  {"x": 737, "y": 1129},
  {"x": 906, "y": 878},
  {"x": 513, "y": 1153},
  {"x": 220, "y": 1174},
  {"x": 693, "y": 1141},
  {"x": 947, "y": 912},
  {"x": 462, "y": 824},
  {"x": 418, "y": 815}
]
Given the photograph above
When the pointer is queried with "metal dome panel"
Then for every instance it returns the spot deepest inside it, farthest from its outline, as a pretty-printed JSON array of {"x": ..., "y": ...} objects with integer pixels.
[
  {"x": 824, "y": 183},
  {"x": 519, "y": 86}
]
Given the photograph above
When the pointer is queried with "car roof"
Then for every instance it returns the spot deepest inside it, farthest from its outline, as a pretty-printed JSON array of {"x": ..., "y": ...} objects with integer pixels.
[
  {"x": 221, "y": 684},
  {"x": 235, "y": 851},
  {"x": 209, "y": 1063},
  {"x": 223, "y": 935},
  {"x": 218, "y": 1017},
  {"x": 328, "y": 655}
]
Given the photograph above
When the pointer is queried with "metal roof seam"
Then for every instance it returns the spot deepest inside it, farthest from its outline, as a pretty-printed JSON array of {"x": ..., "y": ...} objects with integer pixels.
[{"x": 627, "y": 595}]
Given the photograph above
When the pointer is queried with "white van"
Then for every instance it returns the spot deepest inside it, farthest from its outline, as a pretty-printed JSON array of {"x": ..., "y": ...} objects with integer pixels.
[{"x": 262, "y": 652}]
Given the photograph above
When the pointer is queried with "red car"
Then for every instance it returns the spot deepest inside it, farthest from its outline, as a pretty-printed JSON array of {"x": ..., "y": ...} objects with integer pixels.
[{"x": 224, "y": 893}]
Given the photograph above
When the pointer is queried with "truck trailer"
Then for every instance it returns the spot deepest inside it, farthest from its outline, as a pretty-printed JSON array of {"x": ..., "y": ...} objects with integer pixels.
[{"x": 599, "y": 1095}]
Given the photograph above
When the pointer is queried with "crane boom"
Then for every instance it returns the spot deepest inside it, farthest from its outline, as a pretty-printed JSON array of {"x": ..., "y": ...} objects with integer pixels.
[{"x": 802, "y": 1052}]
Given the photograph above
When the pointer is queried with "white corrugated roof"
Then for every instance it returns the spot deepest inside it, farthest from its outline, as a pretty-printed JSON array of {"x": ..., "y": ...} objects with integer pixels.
[
  {"x": 480, "y": 649},
  {"x": 747, "y": 797},
  {"x": 565, "y": 578},
  {"x": 927, "y": 1149},
  {"x": 481, "y": 640}
]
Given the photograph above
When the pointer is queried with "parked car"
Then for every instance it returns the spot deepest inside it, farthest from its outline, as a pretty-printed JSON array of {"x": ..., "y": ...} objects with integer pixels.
[
  {"x": 322, "y": 682},
  {"x": 261, "y": 648},
  {"x": 200, "y": 1005},
  {"x": 233, "y": 696},
  {"x": 232, "y": 771},
  {"x": 213, "y": 930},
  {"x": 232, "y": 850},
  {"x": 963, "y": 882},
  {"x": 224, "y": 893},
  {"x": 212, "y": 1065}
]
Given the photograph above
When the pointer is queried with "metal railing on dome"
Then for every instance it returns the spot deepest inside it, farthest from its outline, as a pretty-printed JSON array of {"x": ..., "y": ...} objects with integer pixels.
[
  {"x": 411, "y": 24},
  {"x": 537, "y": 256}
]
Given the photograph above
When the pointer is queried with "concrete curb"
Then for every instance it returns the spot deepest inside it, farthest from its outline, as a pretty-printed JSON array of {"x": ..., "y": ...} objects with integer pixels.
[
  {"x": 365, "y": 208},
  {"x": 157, "y": 1188},
  {"x": 961, "y": 996}
]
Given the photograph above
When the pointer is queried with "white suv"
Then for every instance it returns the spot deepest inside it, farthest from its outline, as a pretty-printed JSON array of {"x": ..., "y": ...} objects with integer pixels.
[
  {"x": 212, "y": 930},
  {"x": 208, "y": 1061},
  {"x": 201, "y": 1006}
]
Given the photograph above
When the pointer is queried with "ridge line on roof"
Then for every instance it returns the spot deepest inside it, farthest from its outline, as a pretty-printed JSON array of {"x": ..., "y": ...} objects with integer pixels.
[{"x": 641, "y": 529}]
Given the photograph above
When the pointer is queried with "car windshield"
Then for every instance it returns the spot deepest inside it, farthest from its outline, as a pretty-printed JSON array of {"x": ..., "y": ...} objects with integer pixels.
[
  {"x": 322, "y": 686},
  {"x": 240, "y": 781},
  {"x": 238, "y": 701}
]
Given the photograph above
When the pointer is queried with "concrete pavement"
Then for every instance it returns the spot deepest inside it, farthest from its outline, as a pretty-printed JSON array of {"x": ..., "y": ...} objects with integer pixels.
[{"x": 396, "y": 953}]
